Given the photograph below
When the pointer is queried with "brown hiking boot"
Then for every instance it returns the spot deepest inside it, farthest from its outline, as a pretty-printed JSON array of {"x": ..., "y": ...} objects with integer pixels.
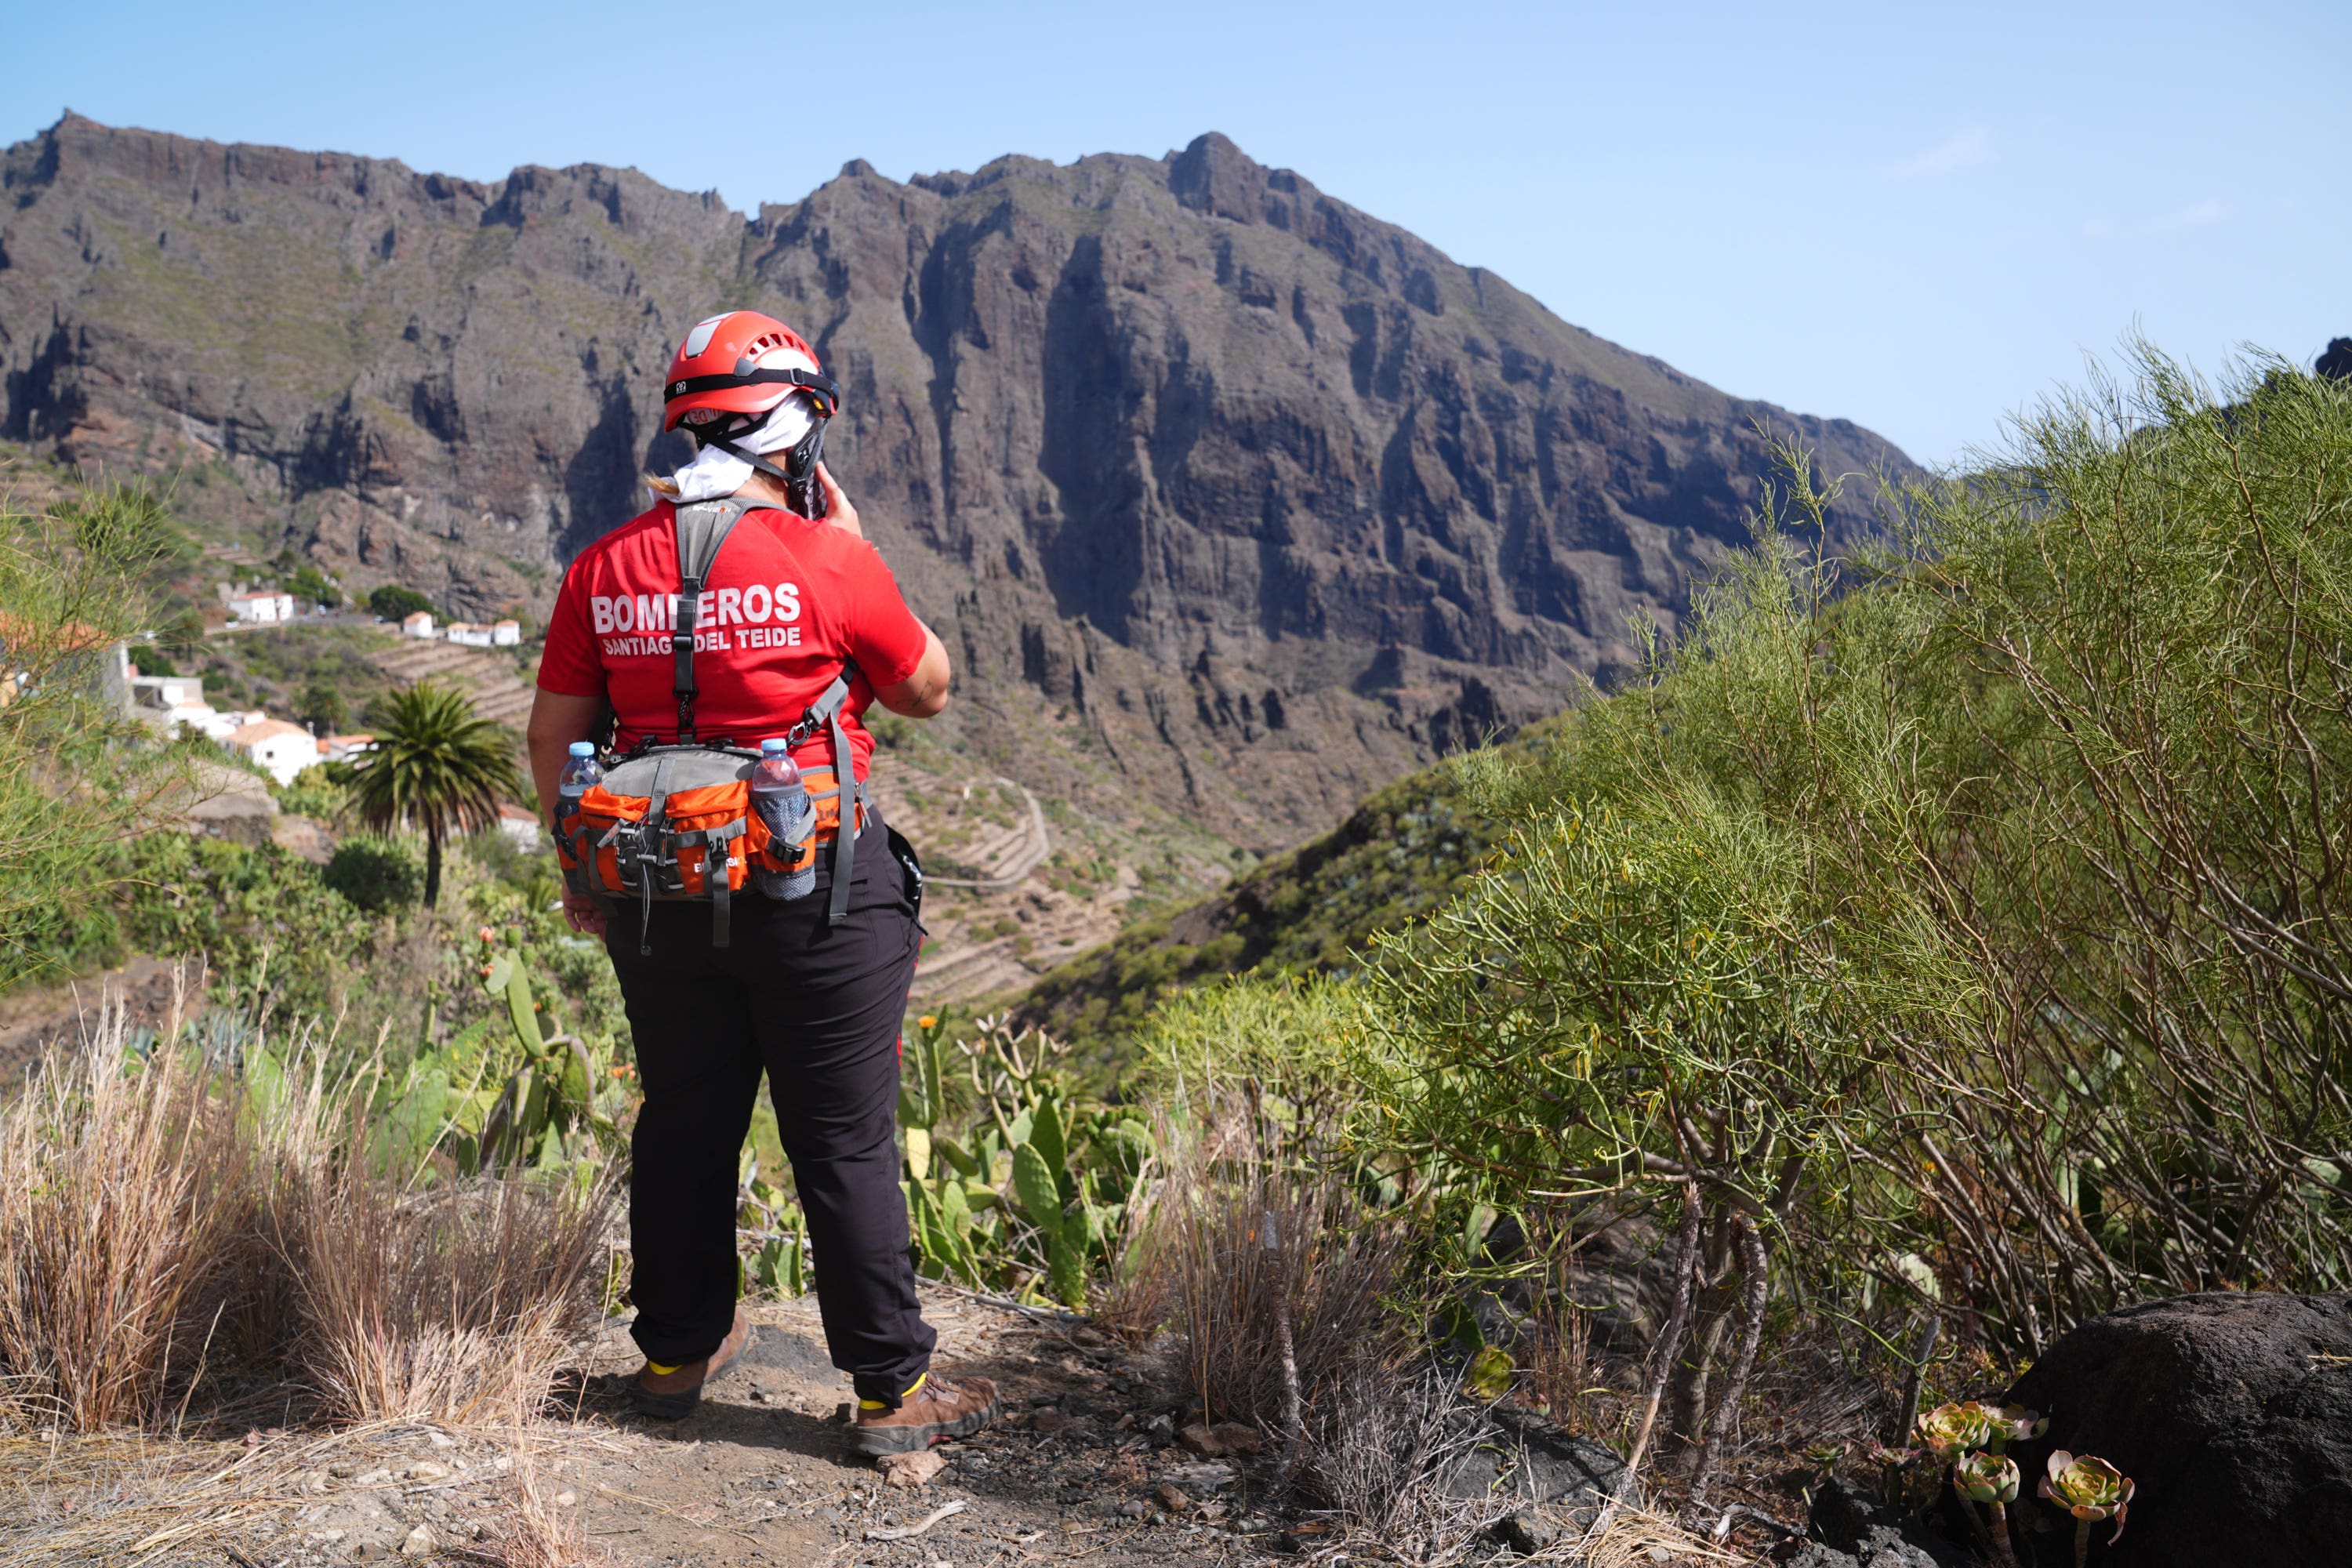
[
  {"x": 672, "y": 1395},
  {"x": 937, "y": 1411}
]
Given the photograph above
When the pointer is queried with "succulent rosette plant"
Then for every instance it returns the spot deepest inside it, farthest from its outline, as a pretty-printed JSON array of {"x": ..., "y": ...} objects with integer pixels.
[
  {"x": 1951, "y": 1430},
  {"x": 2014, "y": 1424},
  {"x": 1990, "y": 1479},
  {"x": 1986, "y": 1477},
  {"x": 2088, "y": 1487},
  {"x": 1907, "y": 1478},
  {"x": 2091, "y": 1490}
]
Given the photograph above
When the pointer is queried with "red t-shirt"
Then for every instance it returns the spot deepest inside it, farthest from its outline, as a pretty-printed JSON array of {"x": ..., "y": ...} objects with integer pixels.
[{"x": 786, "y": 601}]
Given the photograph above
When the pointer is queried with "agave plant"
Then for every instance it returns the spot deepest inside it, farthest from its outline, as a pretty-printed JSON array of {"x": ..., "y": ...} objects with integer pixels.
[
  {"x": 1990, "y": 1479},
  {"x": 2091, "y": 1490}
]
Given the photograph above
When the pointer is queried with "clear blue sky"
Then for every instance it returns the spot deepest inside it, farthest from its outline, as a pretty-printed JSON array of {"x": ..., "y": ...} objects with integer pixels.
[{"x": 1918, "y": 221}]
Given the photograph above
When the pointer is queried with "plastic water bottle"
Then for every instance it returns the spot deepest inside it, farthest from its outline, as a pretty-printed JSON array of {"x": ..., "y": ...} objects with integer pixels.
[
  {"x": 579, "y": 774},
  {"x": 782, "y": 803}
]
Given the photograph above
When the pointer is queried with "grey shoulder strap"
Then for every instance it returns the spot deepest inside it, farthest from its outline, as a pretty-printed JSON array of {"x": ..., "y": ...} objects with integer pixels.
[{"x": 702, "y": 527}]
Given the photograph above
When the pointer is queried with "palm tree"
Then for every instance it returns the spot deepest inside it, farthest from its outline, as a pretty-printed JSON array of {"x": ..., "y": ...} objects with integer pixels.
[{"x": 437, "y": 764}]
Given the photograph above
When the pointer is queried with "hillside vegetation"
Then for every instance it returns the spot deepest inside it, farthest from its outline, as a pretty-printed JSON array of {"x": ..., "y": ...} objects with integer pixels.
[
  {"x": 1977, "y": 938},
  {"x": 1403, "y": 852}
]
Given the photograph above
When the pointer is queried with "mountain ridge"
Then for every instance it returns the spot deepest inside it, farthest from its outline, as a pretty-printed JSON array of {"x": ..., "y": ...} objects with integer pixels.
[{"x": 1231, "y": 498}]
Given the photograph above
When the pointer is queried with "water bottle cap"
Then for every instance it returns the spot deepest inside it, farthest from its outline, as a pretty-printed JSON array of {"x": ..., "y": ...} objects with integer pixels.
[
  {"x": 775, "y": 747},
  {"x": 584, "y": 747}
]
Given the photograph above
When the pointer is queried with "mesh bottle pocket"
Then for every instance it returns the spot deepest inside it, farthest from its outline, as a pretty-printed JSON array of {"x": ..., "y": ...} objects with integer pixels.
[{"x": 789, "y": 822}]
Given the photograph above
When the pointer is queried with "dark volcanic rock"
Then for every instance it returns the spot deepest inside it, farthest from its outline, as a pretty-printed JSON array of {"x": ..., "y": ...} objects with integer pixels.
[
  {"x": 1260, "y": 499},
  {"x": 1531, "y": 1460},
  {"x": 2232, "y": 1412},
  {"x": 1850, "y": 1527}
]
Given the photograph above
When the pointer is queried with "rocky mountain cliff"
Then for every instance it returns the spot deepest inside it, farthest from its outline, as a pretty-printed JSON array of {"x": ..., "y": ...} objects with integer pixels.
[{"x": 1256, "y": 500}]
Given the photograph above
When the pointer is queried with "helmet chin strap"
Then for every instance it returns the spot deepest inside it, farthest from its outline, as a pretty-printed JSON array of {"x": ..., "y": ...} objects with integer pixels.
[{"x": 798, "y": 473}]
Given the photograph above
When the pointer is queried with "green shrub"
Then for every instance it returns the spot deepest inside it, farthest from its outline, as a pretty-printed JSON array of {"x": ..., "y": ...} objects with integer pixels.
[
  {"x": 1992, "y": 875},
  {"x": 75, "y": 774},
  {"x": 311, "y": 583},
  {"x": 375, "y": 874},
  {"x": 394, "y": 602}
]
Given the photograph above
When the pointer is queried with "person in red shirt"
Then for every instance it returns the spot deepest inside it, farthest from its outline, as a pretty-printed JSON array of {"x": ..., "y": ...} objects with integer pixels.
[{"x": 814, "y": 1003}]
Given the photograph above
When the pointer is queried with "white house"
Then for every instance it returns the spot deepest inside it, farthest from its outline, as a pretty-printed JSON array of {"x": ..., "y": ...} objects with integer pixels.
[
  {"x": 505, "y": 634},
  {"x": 167, "y": 691},
  {"x": 279, "y": 749},
  {"x": 261, "y": 608},
  {"x": 344, "y": 748},
  {"x": 419, "y": 624},
  {"x": 519, "y": 826},
  {"x": 470, "y": 635}
]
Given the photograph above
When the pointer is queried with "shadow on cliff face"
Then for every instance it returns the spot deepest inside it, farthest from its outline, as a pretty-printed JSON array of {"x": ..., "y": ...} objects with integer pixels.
[
  {"x": 1094, "y": 563},
  {"x": 601, "y": 481}
]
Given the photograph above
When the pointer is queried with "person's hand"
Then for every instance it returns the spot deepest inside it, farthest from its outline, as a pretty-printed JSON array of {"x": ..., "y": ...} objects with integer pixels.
[
  {"x": 586, "y": 915},
  {"x": 837, "y": 509}
]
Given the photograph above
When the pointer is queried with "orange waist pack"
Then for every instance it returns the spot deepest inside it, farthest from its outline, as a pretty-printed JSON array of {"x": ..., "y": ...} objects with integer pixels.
[{"x": 676, "y": 822}]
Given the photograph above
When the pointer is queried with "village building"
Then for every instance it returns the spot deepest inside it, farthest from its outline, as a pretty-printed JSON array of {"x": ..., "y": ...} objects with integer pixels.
[
  {"x": 280, "y": 749},
  {"x": 261, "y": 608}
]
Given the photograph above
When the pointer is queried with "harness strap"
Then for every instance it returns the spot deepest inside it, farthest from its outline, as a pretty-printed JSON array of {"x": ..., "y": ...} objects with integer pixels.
[
  {"x": 650, "y": 837},
  {"x": 798, "y": 473},
  {"x": 826, "y": 712},
  {"x": 702, "y": 527}
]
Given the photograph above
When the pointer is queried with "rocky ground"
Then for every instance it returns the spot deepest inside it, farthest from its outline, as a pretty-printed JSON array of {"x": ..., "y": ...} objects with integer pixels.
[
  {"x": 1100, "y": 1457},
  {"x": 1085, "y": 1465}
]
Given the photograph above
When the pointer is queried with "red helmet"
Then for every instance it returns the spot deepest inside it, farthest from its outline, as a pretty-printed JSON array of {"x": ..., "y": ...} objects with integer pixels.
[{"x": 717, "y": 370}]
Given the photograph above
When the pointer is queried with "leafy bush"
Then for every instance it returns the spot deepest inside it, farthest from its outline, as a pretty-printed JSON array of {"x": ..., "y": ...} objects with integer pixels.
[
  {"x": 268, "y": 923},
  {"x": 73, "y": 780},
  {"x": 375, "y": 874},
  {"x": 394, "y": 602},
  {"x": 310, "y": 583},
  {"x": 147, "y": 659}
]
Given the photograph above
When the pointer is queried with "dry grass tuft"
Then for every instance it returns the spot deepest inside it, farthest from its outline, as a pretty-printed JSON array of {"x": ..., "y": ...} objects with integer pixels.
[
  {"x": 1635, "y": 1539},
  {"x": 1383, "y": 1438},
  {"x": 167, "y": 1229},
  {"x": 455, "y": 1305},
  {"x": 534, "y": 1532},
  {"x": 118, "y": 1193},
  {"x": 1279, "y": 1293}
]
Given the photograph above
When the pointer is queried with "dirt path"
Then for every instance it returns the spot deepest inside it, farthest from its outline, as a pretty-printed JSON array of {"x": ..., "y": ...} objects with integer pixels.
[{"x": 763, "y": 1475}]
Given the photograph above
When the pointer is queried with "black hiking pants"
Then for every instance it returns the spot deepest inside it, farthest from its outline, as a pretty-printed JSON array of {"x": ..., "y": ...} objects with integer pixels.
[{"x": 818, "y": 1007}]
